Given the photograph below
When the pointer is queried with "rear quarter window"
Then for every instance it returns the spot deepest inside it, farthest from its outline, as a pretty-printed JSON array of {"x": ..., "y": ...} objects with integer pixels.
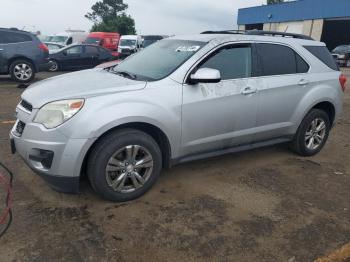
[{"x": 322, "y": 53}]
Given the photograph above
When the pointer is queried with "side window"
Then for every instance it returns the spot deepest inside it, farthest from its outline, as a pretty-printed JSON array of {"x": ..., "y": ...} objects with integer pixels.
[
  {"x": 76, "y": 50},
  {"x": 11, "y": 38},
  {"x": 91, "y": 50},
  {"x": 277, "y": 59},
  {"x": 302, "y": 66},
  {"x": 233, "y": 62}
]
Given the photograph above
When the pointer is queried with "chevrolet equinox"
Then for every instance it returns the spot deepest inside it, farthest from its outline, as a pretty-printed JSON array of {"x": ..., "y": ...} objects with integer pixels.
[{"x": 182, "y": 99}]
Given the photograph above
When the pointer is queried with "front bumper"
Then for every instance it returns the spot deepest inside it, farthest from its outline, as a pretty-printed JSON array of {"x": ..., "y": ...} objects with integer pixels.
[{"x": 49, "y": 153}]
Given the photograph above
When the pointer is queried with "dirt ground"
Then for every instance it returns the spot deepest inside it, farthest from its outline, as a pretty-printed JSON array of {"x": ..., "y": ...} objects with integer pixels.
[{"x": 263, "y": 205}]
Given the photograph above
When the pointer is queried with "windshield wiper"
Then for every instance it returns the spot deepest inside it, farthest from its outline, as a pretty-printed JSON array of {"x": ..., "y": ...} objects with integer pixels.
[{"x": 126, "y": 74}]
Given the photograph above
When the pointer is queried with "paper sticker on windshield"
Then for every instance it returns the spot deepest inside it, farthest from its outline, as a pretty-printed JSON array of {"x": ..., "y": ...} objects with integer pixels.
[{"x": 194, "y": 48}]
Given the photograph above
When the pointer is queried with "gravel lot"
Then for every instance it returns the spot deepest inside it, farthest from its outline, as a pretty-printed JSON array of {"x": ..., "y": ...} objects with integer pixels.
[{"x": 263, "y": 205}]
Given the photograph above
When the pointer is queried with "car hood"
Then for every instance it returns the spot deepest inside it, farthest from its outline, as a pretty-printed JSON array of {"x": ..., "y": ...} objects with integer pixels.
[{"x": 82, "y": 84}]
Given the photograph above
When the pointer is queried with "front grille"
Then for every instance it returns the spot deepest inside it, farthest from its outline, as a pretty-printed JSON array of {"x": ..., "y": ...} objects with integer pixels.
[
  {"x": 20, "y": 128},
  {"x": 27, "y": 106}
]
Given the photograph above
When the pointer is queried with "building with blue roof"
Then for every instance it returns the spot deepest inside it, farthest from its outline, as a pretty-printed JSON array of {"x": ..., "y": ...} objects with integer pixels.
[{"x": 324, "y": 20}]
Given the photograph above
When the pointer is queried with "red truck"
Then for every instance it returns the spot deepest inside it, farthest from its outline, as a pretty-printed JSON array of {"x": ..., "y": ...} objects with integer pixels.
[{"x": 107, "y": 40}]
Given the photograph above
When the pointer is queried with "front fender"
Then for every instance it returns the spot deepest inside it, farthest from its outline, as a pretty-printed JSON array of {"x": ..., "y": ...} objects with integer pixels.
[{"x": 101, "y": 114}]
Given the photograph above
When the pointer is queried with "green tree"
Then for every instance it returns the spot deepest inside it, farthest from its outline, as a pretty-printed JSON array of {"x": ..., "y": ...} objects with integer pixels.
[
  {"x": 110, "y": 16},
  {"x": 271, "y": 2}
]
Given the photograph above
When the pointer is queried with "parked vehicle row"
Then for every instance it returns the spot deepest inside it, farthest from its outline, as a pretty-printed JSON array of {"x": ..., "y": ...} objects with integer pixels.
[{"x": 122, "y": 126}]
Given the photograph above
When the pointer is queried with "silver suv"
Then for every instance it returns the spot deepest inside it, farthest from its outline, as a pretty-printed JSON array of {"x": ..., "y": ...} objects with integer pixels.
[{"x": 181, "y": 99}]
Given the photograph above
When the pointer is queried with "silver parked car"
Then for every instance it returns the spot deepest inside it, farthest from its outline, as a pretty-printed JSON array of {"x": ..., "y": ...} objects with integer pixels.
[{"x": 182, "y": 99}]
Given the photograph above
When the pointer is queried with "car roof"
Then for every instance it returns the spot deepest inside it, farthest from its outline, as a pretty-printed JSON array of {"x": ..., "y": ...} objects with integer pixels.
[
  {"x": 223, "y": 38},
  {"x": 15, "y": 30}
]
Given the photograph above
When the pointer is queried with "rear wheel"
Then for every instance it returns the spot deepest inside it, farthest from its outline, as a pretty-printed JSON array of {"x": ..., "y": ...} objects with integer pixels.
[
  {"x": 22, "y": 71},
  {"x": 124, "y": 165},
  {"x": 312, "y": 133}
]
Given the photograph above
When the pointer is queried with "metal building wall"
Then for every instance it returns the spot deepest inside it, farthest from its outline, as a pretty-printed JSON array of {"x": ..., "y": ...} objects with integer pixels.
[{"x": 294, "y": 11}]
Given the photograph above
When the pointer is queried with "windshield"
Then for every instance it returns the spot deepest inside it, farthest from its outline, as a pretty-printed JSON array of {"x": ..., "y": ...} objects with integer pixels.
[
  {"x": 159, "y": 60},
  {"x": 343, "y": 48},
  {"x": 58, "y": 39},
  {"x": 127, "y": 42},
  {"x": 92, "y": 40}
]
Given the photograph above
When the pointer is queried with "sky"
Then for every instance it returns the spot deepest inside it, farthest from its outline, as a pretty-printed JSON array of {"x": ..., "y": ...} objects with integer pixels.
[{"x": 166, "y": 17}]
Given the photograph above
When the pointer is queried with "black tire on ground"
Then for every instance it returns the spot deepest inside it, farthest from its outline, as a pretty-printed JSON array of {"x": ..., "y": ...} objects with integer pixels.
[
  {"x": 54, "y": 66},
  {"x": 22, "y": 71},
  {"x": 104, "y": 150},
  {"x": 298, "y": 144}
]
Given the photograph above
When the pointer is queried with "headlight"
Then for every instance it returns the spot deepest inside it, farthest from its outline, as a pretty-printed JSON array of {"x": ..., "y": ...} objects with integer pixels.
[
  {"x": 56, "y": 113},
  {"x": 341, "y": 56}
]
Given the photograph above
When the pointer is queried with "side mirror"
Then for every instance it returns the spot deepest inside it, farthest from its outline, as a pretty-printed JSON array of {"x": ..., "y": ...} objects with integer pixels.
[{"x": 206, "y": 75}]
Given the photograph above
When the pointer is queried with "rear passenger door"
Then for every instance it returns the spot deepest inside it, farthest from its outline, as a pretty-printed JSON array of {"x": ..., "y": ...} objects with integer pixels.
[{"x": 284, "y": 81}]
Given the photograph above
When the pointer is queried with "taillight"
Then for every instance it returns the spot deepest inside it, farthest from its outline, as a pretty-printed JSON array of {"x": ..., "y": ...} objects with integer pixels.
[
  {"x": 342, "y": 81},
  {"x": 43, "y": 47}
]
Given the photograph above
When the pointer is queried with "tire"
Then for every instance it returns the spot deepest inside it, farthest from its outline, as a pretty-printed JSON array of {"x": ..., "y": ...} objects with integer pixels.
[
  {"x": 301, "y": 143},
  {"x": 22, "y": 71},
  {"x": 111, "y": 152},
  {"x": 54, "y": 66}
]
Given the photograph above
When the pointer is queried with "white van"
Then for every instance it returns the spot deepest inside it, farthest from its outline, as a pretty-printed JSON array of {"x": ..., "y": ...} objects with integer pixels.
[
  {"x": 129, "y": 44},
  {"x": 68, "y": 37}
]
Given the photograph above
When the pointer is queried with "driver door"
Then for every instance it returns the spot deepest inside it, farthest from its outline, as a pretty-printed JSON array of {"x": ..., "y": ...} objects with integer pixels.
[
  {"x": 217, "y": 116},
  {"x": 73, "y": 58}
]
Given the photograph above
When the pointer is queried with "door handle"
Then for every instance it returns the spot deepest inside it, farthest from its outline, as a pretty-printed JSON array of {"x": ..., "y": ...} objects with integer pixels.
[
  {"x": 1, "y": 49},
  {"x": 249, "y": 90},
  {"x": 303, "y": 82}
]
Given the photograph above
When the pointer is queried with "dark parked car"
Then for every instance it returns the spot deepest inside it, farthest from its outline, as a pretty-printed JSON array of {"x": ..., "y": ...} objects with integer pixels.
[
  {"x": 22, "y": 55},
  {"x": 342, "y": 55},
  {"x": 77, "y": 57}
]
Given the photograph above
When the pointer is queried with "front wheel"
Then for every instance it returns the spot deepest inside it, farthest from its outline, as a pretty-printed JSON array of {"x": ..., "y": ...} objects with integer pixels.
[
  {"x": 312, "y": 134},
  {"x": 54, "y": 66},
  {"x": 124, "y": 165}
]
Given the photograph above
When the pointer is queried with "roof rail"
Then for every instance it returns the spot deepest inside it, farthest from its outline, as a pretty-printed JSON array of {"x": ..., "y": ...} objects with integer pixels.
[
  {"x": 260, "y": 32},
  {"x": 228, "y": 32},
  {"x": 281, "y": 34}
]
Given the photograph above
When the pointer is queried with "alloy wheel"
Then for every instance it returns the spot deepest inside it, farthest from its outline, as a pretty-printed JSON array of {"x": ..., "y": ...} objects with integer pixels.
[
  {"x": 315, "y": 134},
  {"x": 23, "y": 72},
  {"x": 129, "y": 169},
  {"x": 53, "y": 66}
]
